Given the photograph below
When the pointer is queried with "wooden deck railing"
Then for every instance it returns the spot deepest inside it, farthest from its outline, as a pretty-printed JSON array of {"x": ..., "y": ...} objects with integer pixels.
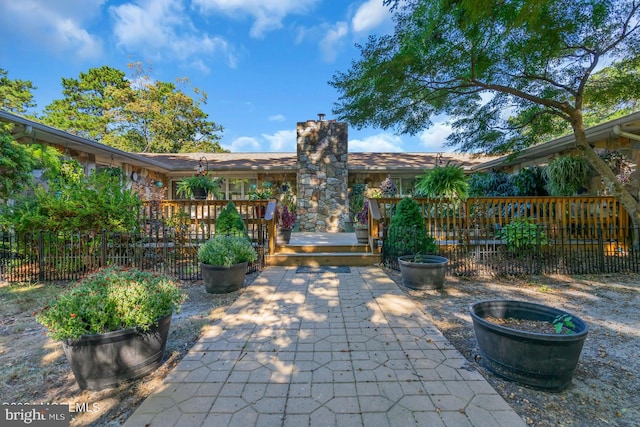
[
  {"x": 199, "y": 217},
  {"x": 483, "y": 217}
]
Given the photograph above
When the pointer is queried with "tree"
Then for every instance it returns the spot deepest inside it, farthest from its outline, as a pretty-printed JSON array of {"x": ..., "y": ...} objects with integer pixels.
[
  {"x": 135, "y": 114},
  {"x": 86, "y": 109},
  {"x": 15, "y": 95},
  {"x": 17, "y": 161},
  {"x": 484, "y": 62}
]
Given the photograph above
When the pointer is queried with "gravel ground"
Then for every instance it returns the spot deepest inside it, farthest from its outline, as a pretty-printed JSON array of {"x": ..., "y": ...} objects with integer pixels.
[{"x": 605, "y": 386}]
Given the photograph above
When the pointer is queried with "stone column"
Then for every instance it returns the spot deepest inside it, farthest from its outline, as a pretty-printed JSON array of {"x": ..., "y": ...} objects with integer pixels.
[{"x": 322, "y": 202}]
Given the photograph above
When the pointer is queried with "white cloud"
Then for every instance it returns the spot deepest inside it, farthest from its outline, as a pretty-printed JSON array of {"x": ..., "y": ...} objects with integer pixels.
[
  {"x": 369, "y": 15},
  {"x": 277, "y": 118},
  {"x": 268, "y": 15},
  {"x": 60, "y": 27},
  {"x": 380, "y": 143},
  {"x": 434, "y": 138},
  {"x": 282, "y": 141},
  {"x": 153, "y": 26},
  {"x": 331, "y": 40},
  {"x": 243, "y": 144}
]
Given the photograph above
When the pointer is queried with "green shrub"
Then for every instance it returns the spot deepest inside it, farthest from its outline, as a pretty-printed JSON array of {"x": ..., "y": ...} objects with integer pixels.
[
  {"x": 75, "y": 202},
  {"x": 522, "y": 236},
  {"x": 110, "y": 300},
  {"x": 407, "y": 231},
  {"x": 227, "y": 250},
  {"x": 230, "y": 222}
]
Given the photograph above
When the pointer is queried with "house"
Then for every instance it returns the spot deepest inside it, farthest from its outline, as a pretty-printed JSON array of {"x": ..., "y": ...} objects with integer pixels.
[{"x": 322, "y": 170}]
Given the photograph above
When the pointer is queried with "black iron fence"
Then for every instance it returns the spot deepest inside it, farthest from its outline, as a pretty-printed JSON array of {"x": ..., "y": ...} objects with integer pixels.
[
  {"x": 51, "y": 256},
  {"x": 523, "y": 251}
]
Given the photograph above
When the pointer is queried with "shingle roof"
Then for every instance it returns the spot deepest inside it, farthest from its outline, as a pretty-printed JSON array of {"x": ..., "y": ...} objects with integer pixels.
[{"x": 399, "y": 162}]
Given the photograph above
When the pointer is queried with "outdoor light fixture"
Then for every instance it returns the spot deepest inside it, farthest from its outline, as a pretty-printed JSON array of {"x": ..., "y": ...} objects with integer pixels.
[
  {"x": 158, "y": 183},
  {"x": 200, "y": 170}
]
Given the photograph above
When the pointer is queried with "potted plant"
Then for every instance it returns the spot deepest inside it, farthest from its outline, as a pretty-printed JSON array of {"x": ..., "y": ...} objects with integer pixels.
[
  {"x": 361, "y": 223},
  {"x": 113, "y": 324},
  {"x": 199, "y": 187},
  {"x": 356, "y": 201},
  {"x": 408, "y": 240},
  {"x": 529, "y": 343},
  {"x": 224, "y": 259},
  {"x": 265, "y": 192},
  {"x": 286, "y": 221}
]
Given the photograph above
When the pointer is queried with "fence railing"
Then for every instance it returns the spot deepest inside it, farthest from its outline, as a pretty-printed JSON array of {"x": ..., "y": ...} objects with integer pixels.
[
  {"x": 50, "y": 256},
  {"x": 545, "y": 250},
  {"x": 196, "y": 219},
  {"x": 481, "y": 218}
]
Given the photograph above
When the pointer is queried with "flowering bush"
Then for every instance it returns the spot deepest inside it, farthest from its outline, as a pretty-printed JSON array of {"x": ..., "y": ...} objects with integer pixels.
[
  {"x": 227, "y": 250},
  {"x": 287, "y": 218},
  {"x": 362, "y": 217},
  {"x": 388, "y": 187},
  {"x": 110, "y": 300}
]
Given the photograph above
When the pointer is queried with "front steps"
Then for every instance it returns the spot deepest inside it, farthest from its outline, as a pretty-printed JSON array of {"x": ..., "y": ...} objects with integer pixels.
[{"x": 323, "y": 249}]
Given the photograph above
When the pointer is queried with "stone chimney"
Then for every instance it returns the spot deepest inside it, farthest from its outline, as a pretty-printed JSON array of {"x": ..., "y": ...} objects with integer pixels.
[{"x": 322, "y": 202}]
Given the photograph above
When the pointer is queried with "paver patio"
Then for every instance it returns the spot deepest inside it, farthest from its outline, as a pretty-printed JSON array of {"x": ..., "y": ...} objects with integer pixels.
[{"x": 324, "y": 348}]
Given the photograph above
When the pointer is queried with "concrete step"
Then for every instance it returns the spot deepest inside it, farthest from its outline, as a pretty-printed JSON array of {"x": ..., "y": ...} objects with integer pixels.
[{"x": 316, "y": 259}]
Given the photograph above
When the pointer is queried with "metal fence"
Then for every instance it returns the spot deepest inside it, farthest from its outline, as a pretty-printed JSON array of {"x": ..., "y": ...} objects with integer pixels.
[
  {"x": 50, "y": 256},
  {"x": 543, "y": 250}
]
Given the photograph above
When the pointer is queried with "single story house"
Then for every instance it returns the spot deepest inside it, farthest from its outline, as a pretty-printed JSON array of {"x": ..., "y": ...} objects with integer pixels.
[{"x": 321, "y": 171}]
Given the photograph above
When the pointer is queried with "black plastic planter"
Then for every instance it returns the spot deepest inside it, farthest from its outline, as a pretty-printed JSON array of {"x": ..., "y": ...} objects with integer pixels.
[
  {"x": 220, "y": 280},
  {"x": 542, "y": 361},
  {"x": 104, "y": 360},
  {"x": 423, "y": 271}
]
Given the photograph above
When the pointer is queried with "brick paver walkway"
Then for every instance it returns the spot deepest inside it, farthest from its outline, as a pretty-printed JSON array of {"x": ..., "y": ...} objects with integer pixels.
[{"x": 324, "y": 349}]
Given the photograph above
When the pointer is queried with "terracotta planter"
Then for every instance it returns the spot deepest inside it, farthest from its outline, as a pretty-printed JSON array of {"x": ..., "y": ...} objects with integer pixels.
[
  {"x": 104, "y": 360},
  {"x": 362, "y": 235},
  {"x": 542, "y": 361},
  {"x": 423, "y": 271},
  {"x": 220, "y": 280}
]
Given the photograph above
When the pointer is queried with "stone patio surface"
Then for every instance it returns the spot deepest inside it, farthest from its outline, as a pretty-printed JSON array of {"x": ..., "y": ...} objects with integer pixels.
[{"x": 324, "y": 348}]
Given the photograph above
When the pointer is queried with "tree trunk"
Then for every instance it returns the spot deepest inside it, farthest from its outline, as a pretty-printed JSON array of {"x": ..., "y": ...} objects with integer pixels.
[{"x": 616, "y": 188}]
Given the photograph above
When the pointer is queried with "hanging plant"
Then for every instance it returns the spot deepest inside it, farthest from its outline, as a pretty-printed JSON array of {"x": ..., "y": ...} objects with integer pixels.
[
  {"x": 388, "y": 187},
  {"x": 447, "y": 181},
  {"x": 567, "y": 175}
]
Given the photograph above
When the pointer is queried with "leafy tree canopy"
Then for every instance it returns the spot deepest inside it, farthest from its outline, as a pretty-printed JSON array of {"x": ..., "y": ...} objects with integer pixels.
[
  {"x": 15, "y": 95},
  {"x": 483, "y": 63},
  {"x": 17, "y": 162},
  {"x": 136, "y": 114}
]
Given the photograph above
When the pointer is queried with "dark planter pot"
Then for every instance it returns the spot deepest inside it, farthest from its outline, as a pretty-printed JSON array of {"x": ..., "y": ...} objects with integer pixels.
[
  {"x": 348, "y": 227},
  {"x": 105, "y": 360},
  {"x": 362, "y": 235},
  {"x": 284, "y": 236},
  {"x": 200, "y": 193},
  {"x": 221, "y": 280},
  {"x": 542, "y": 361},
  {"x": 428, "y": 273}
]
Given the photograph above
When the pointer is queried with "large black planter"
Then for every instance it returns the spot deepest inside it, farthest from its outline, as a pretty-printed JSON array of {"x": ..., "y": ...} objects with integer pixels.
[
  {"x": 542, "y": 361},
  {"x": 423, "y": 271},
  {"x": 221, "y": 280},
  {"x": 104, "y": 360}
]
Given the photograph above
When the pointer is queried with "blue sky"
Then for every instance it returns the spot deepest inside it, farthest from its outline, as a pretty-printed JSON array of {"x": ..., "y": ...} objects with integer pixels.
[{"x": 264, "y": 64}]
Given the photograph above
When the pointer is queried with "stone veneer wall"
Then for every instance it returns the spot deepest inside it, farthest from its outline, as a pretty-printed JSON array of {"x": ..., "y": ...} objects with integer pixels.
[{"x": 322, "y": 202}]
